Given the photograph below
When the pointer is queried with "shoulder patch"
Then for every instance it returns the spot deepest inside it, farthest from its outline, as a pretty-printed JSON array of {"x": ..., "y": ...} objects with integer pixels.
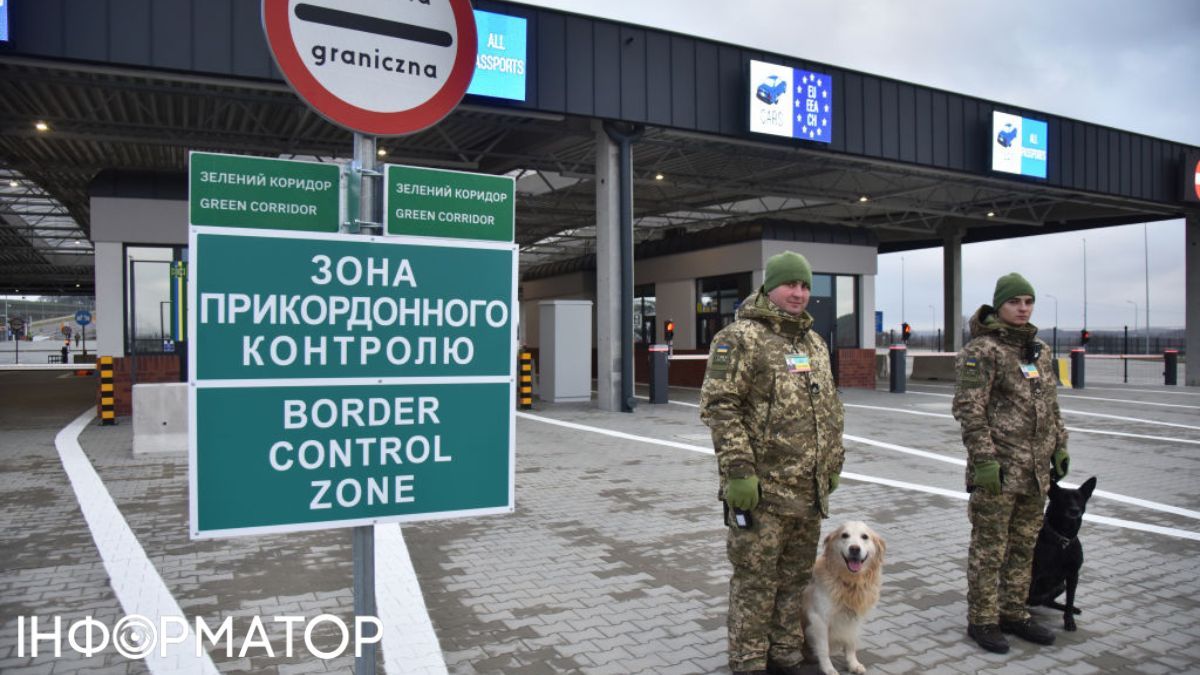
[
  {"x": 971, "y": 375},
  {"x": 720, "y": 361}
]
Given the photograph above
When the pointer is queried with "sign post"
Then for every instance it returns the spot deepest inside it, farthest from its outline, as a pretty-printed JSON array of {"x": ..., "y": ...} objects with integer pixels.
[
  {"x": 409, "y": 65},
  {"x": 83, "y": 318},
  {"x": 15, "y": 324}
]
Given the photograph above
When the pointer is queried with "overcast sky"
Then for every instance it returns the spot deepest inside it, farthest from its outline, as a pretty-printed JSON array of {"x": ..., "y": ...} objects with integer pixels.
[{"x": 1129, "y": 65}]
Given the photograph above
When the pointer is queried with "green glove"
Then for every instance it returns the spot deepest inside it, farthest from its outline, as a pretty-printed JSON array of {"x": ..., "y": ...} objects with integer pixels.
[
  {"x": 1061, "y": 461},
  {"x": 742, "y": 493},
  {"x": 833, "y": 482},
  {"x": 987, "y": 476}
]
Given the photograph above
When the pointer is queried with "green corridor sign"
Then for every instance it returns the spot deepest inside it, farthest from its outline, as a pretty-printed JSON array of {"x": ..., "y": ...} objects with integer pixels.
[
  {"x": 454, "y": 204},
  {"x": 237, "y": 191},
  {"x": 343, "y": 380}
]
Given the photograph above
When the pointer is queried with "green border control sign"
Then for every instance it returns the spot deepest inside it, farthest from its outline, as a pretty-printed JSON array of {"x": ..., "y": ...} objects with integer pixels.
[
  {"x": 341, "y": 380},
  {"x": 454, "y": 204},
  {"x": 282, "y": 194}
]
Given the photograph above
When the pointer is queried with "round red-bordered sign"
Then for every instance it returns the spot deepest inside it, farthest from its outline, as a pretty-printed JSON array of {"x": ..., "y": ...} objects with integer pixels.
[
  {"x": 1196, "y": 179},
  {"x": 345, "y": 26}
]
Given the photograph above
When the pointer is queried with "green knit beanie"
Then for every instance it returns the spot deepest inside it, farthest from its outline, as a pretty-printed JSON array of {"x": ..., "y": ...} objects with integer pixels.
[
  {"x": 785, "y": 268},
  {"x": 1010, "y": 286}
]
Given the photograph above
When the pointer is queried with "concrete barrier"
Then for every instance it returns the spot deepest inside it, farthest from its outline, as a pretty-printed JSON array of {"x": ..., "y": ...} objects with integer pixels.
[
  {"x": 881, "y": 366},
  {"x": 160, "y": 418},
  {"x": 936, "y": 366}
]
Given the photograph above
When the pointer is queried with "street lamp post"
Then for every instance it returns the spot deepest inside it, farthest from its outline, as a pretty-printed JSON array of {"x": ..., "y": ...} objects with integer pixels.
[
  {"x": 1054, "y": 347},
  {"x": 1085, "y": 325},
  {"x": 933, "y": 325},
  {"x": 1146, "y": 250}
]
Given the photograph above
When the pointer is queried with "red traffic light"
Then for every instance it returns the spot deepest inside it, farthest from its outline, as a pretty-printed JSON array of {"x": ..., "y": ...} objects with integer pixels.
[
  {"x": 669, "y": 330},
  {"x": 905, "y": 331},
  {"x": 1084, "y": 336}
]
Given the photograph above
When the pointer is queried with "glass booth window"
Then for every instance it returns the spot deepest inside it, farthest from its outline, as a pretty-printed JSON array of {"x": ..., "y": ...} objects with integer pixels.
[
  {"x": 846, "y": 300},
  {"x": 644, "y": 314},
  {"x": 834, "y": 310},
  {"x": 148, "y": 299},
  {"x": 717, "y": 300}
]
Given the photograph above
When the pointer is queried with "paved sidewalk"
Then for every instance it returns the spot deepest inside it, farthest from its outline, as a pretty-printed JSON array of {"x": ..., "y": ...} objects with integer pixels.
[{"x": 614, "y": 560}]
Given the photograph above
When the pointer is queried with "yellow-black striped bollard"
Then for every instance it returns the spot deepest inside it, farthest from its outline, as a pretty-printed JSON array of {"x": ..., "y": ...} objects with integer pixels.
[
  {"x": 525, "y": 382},
  {"x": 108, "y": 408}
]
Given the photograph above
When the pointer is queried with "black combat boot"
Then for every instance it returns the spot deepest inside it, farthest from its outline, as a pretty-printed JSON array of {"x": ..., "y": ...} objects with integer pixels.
[
  {"x": 1028, "y": 629},
  {"x": 988, "y": 636},
  {"x": 774, "y": 668}
]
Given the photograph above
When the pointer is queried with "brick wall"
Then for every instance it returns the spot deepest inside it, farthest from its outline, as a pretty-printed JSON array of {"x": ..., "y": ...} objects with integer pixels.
[
  {"x": 153, "y": 368},
  {"x": 856, "y": 368}
]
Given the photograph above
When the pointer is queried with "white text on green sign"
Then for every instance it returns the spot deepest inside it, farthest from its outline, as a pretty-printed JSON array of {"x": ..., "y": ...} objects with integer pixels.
[
  {"x": 456, "y": 204},
  {"x": 288, "y": 458},
  {"x": 344, "y": 306},
  {"x": 237, "y": 191}
]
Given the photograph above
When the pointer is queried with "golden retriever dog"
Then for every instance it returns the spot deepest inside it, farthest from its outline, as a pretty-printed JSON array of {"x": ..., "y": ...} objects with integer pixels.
[{"x": 844, "y": 587}]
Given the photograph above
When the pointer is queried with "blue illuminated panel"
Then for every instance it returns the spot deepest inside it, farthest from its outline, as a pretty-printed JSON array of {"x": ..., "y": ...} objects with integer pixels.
[
  {"x": 791, "y": 102},
  {"x": 500, "y": 63},
  {"x": 3, "y": 20},
  {"x": 1019, "y": 145}
]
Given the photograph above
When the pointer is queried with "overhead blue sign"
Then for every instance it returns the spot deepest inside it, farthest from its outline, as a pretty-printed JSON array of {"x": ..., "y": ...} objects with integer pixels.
[
  {"x": 791, "y": 102},
  {"x": 3, "y": 20},
  {"x": 500, "y": 61},
  {"x": 1019, "y": 145}
]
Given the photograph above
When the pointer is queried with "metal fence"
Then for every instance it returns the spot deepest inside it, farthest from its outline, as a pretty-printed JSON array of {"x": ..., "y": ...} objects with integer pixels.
[
  {"x": 1061, "y": 341},
  {"x": 1131, "y": 369}
]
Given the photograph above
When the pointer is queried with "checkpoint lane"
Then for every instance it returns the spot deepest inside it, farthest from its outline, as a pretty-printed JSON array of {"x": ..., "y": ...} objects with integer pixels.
[
  {"x": 614, "y": 560},
  {"x": 917, "y": 627},
  {"x": 1154, "y": 466}
]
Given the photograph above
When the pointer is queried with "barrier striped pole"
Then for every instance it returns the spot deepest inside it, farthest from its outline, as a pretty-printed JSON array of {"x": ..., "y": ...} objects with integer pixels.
[
  {"x": 525, "y": 382},
  {"x": 108, "y": 413}
]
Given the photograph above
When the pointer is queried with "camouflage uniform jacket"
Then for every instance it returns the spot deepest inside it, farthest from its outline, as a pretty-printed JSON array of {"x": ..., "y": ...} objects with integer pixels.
[
  {"x": 1005, "y": 415},
  {"x": 774, "y": 411}
]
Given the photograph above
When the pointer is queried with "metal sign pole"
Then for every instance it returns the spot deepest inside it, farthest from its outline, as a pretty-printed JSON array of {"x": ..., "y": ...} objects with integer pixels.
[{"x": 364, "y": 535}]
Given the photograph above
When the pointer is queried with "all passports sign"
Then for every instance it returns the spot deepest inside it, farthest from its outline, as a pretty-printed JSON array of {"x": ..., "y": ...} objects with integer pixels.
[{"x": 342, "y": 380}]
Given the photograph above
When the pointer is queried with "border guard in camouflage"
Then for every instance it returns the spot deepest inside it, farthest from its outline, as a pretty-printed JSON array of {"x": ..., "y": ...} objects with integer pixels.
[
  {"x": 1007, "y": 403},
  {"x": 776, "y": 421}
]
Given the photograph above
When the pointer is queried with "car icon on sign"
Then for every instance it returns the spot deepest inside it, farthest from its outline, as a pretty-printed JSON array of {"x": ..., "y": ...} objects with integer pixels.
[
  {"x": 770, "y": 91},
  {"x": 1007, "y": 133}
]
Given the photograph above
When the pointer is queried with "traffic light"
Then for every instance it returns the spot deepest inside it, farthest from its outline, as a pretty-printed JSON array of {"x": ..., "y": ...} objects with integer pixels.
[
  {"x": 669, "y": 330},
  {"x": 905, "y": 332},
  {"x": 1084, "y": 336}
]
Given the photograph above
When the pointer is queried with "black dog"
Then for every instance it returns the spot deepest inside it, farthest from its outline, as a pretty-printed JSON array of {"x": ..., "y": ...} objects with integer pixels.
[{"x": 1058, "y": 554}]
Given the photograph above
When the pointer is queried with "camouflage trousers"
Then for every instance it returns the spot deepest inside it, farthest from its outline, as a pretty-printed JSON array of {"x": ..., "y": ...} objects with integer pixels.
[
  {"x": 1004, "y": 530},
  {"x": 772, "y": 562}
]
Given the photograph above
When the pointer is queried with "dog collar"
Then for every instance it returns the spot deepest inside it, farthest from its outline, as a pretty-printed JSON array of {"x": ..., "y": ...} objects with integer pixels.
[{"x": 1063, "y": 540}]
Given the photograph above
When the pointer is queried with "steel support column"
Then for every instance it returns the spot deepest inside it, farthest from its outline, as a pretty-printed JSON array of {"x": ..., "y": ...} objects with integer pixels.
[
  {"x": 952, "y": 288},
  {"x": 1191, "y": 300},
  {"x": 608, "y": 273}
]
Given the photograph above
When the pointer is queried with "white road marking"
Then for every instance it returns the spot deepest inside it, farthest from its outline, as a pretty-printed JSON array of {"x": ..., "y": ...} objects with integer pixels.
[
  {"x": 1081, "y": 430},
  {"x": 410, "y": 644},
  {"x": 1131, "y": 401},
  {"x": 134, "y": 580},
  {"x": 962, "y": 495},
  {"x": 958, "y": 461},
  {"x": 1090, "y": 414},
  {"x": 1147, "y": 391}
]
